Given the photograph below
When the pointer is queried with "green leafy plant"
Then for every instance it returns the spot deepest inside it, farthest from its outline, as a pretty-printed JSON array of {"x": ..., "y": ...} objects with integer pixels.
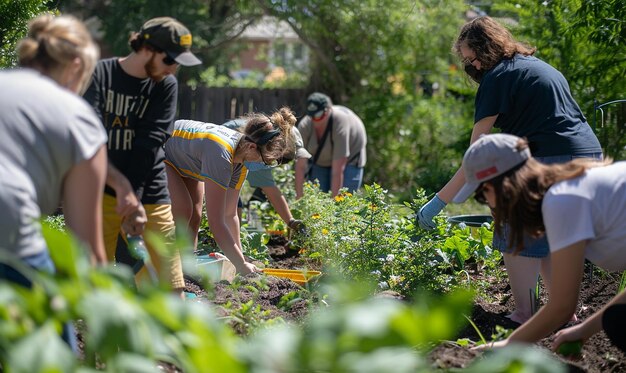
[
  {"x": 248, "y": 317},
  {"x": 367, "y": 237},
  {"x": 254, "y": 244},
  {"x": 134, "y": 330},
  {"x": 288, "y": 300},
  {"x": 535, "y": 298},
  {"x": 480, "y": 335},
  {"x": 622, "y": 283},
  {"x": 570, "y": 349},
  {"x": 516, "y": 359},
  {"x": 361, "y": 335},
  {"x": 501, "y": 333}
]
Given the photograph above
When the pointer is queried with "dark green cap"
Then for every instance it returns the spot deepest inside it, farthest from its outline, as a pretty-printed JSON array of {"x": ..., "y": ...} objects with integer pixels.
[
  {"x": 316, "y": 103},
  {"x": 172, "y": 37}
]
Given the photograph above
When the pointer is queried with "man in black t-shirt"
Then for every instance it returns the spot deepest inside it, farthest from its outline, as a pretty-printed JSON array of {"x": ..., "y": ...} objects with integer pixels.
[{"x": 135, "y": 97}]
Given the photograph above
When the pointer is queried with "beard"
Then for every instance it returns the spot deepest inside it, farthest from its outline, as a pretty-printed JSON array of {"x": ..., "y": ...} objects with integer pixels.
[
  {"x": 474, "y": 73},
  {"x": 151, "y": 70}
]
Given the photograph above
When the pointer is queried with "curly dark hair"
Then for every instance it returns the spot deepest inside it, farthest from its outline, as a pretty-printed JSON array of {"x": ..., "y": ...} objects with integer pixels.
[
  {"x": 137, "y": 43},
  {"x": 491, "y": 42}
]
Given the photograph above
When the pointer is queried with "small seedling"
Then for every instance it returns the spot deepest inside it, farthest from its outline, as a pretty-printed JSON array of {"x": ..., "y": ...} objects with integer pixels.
[
  {"x": 570, "y": 349},
  {"x": 482, "y": 338},
  {"x": 534, "y": 298}
]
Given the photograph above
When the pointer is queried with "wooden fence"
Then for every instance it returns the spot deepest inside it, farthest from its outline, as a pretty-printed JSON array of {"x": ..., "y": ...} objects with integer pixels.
[{"x": 218, "y": 105}]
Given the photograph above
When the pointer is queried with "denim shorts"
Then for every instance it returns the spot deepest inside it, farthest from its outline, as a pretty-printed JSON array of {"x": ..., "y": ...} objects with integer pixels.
[
  {"x": 352, "y": 177},
  {"x": 535, "y": 247}
]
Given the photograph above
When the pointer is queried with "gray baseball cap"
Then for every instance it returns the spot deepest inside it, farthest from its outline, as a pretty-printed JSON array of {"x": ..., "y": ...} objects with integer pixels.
[{"x": 488, "y": 157}]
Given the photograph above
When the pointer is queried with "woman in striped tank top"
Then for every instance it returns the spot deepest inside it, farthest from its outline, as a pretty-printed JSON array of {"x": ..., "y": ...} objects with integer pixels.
[{"x": 206, "y": 159}]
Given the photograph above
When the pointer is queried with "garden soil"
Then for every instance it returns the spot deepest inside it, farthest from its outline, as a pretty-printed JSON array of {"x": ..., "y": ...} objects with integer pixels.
[{"x": 598, "y": 355}]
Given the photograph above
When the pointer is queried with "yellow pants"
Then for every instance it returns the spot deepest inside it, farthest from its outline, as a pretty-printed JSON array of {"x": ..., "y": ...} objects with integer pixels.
[{"x": 161, "y": 222}]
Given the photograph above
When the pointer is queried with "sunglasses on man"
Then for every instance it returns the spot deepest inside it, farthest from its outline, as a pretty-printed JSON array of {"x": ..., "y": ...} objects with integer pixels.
[{"x": 167, "y": 60}]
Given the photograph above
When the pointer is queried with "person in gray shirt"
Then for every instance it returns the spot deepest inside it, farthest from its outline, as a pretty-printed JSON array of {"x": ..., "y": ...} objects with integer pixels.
[
  {"x": 211, "y": 162},
  {"x": 337, "y": 139},
  {"x": 52, "y": 148}
]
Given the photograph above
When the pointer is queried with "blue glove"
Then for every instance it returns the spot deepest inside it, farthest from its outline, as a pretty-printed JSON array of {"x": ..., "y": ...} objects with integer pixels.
[{"x": 429, "y": 211}]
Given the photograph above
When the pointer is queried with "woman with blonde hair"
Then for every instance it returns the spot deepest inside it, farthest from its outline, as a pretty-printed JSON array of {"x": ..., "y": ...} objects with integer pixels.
[
  {"x": 205, "y": 159},
  {"x": 580, "y": 206},
  {"x": 52, "y": 148}
]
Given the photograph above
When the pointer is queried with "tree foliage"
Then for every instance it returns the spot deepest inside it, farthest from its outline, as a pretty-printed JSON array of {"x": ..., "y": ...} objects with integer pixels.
[
  {"x": 381, "y": 58},
  {"x": 214, "y": 24},
  {"x": 586, "y": 41},
  {"x": 14, "y": 16},
  {"x": 361, "y": 46},
  {"x": 390, "y": 62}
]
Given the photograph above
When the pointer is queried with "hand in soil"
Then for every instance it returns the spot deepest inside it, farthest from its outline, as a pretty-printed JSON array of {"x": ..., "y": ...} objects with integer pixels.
[
  {"x": 569, "y": 336},
  {"x": 569, "y": 341},
  {"x": 248, "y": 268},
  {"x": 298, "y": 227},
  {"x": 570, "y": 349}
]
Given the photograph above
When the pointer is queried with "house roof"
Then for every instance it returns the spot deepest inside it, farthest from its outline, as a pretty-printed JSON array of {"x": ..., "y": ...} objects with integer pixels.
[{"x": 269, "y": 28}]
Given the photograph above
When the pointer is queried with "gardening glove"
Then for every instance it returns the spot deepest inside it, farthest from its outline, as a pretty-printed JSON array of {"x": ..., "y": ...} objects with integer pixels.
[
  {"x": 426, "y": 214},
  {"x": 297, "y": 226}
]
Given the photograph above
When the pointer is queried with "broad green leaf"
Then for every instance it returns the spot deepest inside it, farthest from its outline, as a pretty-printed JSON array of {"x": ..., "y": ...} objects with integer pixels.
[
  {"x": 116, "y": 324},
  {"x": 41, "y": 351},
  {"x": 516, "y": 358}
]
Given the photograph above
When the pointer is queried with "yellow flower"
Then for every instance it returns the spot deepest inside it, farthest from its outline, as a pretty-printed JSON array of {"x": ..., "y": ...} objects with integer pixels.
[
  {"x": 339, "y": 198},
  {"x": 324, "y": 231},
  {"x": 315, "y": 216}
]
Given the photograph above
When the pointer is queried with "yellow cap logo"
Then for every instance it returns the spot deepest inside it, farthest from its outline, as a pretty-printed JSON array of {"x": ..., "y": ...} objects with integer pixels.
[{"x": 185, "y": 40}]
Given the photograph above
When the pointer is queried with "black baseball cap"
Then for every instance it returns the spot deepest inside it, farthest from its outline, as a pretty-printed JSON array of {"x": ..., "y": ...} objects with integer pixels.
[{"x": 171, "y": 37}]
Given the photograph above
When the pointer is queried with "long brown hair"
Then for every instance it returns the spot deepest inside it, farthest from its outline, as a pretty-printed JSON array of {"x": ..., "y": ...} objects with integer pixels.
[
  {"x": 491, "y": 42},
  {"x": 520, "y": 191}
]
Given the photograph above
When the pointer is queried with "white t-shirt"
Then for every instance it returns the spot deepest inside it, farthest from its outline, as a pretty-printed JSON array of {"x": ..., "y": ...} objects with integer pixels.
[{"x": 591, "y": 207}]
